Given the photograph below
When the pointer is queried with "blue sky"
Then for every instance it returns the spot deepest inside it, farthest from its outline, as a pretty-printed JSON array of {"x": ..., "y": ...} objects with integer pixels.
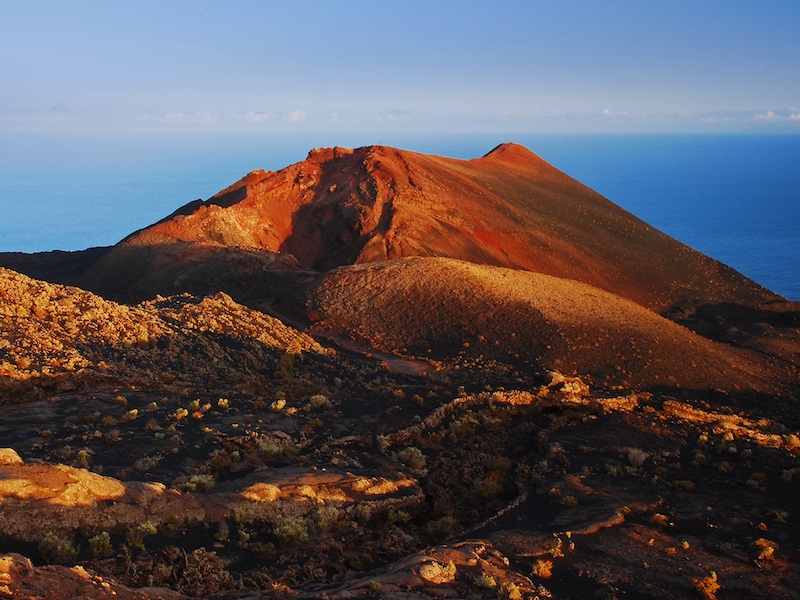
[{"x": 433, "y": 65}]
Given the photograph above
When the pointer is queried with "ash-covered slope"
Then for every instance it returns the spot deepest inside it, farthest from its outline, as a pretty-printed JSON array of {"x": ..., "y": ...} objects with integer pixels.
[
  {"x": 509, "y": 208},
  {"x": 443, "y": 307}
]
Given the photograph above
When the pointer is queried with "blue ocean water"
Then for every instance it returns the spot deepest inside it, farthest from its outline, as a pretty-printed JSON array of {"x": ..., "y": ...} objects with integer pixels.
[{"x": 733, "y": 197}]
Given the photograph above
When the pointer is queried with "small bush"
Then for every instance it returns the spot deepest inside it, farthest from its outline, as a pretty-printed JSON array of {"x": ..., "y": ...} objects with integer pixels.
[
  {"x": 382, "y": 443},
  {"x": 328, "y": 518},
  {"x": 292, "y": 530},
  {"x": 486, "y": 581},
  {"x": 543, "y": 569},
  {"x": 511, "y": 591},
  {"x": 659, "y": 520},
  {"x": 82, "y": 459},
  {"x": 100, "y": 545},
  {"x": 319, "y": 402},
  {"x": 637, "y": 457},
  {"x": 285, "y": 368},
  {"x": 766, "y": 549},
  {"x": 569, "y": 502},
  {"x": 58, "y": 551},
  {"x": 412, "y": 457},
  {"x": 202, "y": 482},
  {"x": 442, "y": 528},
  {"x": 269, "y": 450},
  {"x": 135, "y": 536},
  {"x": 707, "y": 587}
]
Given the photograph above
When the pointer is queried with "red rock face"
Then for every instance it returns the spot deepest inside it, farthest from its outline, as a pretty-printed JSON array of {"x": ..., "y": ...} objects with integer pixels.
[{"x": 509, "y": 208}]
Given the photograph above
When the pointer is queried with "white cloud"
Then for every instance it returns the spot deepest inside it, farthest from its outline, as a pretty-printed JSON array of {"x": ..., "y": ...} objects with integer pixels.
[
  {"x": 396, "y": 114},
  {"x": 259, "y": 116},
  {"x": 606, "y": 111},
  {"x": 200, "y": 116},
  {"x": 335, "y": 118},
  {"x": 792, "y": 115},
  {"x": 295, "y": 116}
]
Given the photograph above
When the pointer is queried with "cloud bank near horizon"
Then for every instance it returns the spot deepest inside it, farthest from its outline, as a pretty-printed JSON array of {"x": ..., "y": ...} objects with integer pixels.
[
  {"x": 600, "y": 121},
  {"x": 446, "y": 66}
]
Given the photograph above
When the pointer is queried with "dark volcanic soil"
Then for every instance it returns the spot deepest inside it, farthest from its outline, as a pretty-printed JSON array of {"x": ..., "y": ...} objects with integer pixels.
[{"x": 283, "y": 467}]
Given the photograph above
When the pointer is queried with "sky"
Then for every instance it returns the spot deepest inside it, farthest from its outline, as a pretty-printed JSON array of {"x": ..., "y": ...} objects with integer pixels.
[{"x": 432, "y": 65}]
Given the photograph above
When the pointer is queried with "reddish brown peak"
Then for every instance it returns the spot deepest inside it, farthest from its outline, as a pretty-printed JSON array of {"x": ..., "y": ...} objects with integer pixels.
[
  {"x": 512, "y": 154},
  {"x": 224, "y": 197},
  {"x": 510, "y": 150},
  {"x": 321, "y": 155}
]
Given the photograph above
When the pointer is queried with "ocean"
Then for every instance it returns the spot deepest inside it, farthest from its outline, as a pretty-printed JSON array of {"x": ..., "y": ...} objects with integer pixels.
[{"x": 733, "y": 197}]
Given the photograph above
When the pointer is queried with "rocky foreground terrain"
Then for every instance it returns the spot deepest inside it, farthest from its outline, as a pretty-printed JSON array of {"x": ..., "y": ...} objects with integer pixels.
[{"x": 378, "y": 373}]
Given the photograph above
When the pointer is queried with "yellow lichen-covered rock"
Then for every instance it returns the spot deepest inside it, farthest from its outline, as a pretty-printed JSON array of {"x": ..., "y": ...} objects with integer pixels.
[
  {"x": 12, "y": 566},
  {"x": 437, "y": 573},
  {"x": 9, "y": 456}
]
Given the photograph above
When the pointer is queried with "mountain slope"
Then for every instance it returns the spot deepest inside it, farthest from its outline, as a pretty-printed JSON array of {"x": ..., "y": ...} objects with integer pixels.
[
  {"x": 509, "y": 208},
  {"x": 444, "y": 307}
]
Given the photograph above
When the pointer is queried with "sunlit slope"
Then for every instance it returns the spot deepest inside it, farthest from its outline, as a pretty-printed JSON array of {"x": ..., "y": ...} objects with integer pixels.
[
  {"x": 509, "y": 208},
  {"x": 442, "y": 307}
]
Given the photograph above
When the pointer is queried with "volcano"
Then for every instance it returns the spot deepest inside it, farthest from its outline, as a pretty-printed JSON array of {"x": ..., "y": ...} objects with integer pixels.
[
  {"x": 509, "y": 208},
  {"x": 379, "y": 372}
]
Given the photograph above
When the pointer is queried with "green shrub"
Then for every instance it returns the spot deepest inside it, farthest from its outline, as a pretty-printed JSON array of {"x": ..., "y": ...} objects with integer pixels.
[
  {"x": 412, "y": 457},
  {"x": 511, "y": 591},
  {"x": 58, "y": 551},
  {"x": 285, "y": 368},
  {"x": 100, "y": 545},
  {"x": 291, "y": 530},
  {"x": 328, "y": 518},
  {"x": 319, "y": 402},
  {"x": 201, "y": 482},
  {"x": 485, "y": 581},
  {"x": 442, "y": 528},
  {"x": 135, "y": 536}
]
